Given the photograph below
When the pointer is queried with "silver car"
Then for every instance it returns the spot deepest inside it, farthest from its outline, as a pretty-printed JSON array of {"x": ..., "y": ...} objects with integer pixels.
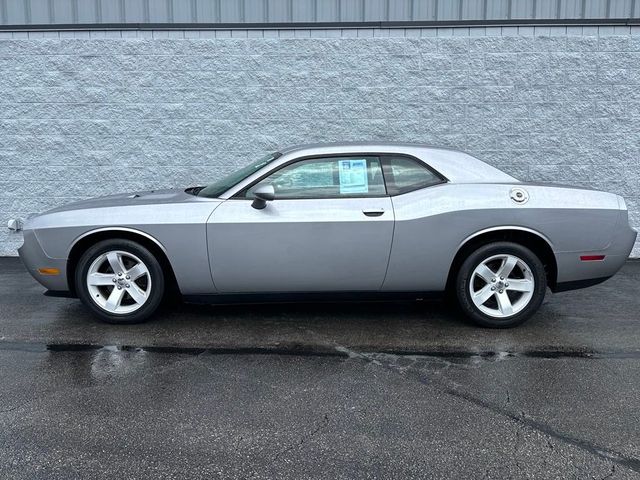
[{"x": 336, "y": 220}]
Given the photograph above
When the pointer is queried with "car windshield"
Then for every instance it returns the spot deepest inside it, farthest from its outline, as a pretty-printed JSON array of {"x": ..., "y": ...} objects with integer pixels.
[{"x": 216, "y": 189}]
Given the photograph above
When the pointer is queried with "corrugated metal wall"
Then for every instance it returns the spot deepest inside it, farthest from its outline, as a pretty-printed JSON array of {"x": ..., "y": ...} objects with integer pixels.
[{"x": 46, "y": 12}]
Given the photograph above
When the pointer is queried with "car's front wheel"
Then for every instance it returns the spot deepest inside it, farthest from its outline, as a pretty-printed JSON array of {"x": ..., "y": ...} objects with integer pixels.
[
  {"x": 120, "y": 281},
  {"x": 501, "y": 285}
]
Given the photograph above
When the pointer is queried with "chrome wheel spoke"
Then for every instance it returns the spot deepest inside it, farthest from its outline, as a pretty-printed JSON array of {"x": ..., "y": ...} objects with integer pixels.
[
  {"x": 138, "y": 295},
  {"x": 100, "y": 279},
  {"x": 136, "y": 272},
  {"x": 485, "y": 273},
  {"x": 507, "y": 266},
  {"x": 518, "y": 285},
  {"x": 482, "y": 295},
  {"x": 115, "y": 260},
  {"x": 504, "y": 303},
  {"x": 114, "y": 300}
]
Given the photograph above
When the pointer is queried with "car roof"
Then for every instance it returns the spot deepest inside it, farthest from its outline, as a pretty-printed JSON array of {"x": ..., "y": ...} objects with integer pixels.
[
  {"x": 364, "y": 147},
  {"x": 455, "y": 165}
]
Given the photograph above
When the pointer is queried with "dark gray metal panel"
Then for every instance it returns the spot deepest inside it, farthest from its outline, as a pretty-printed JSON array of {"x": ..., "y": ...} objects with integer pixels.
[
  {"x": 596, "y": 9},
  {"x": 473, "y": 9},
  {"x": 40, "y": 11},
  {"x": 87, "y": 11},
  {"x": 157, "y": 10},
  {"x": 619, "y": 8},
  {"x": 351, "y": 11},
  {"x": 523, "y": 9},
  {"x": 110, "y": 11},
  {"x": 374, "y": 10},
  {"x": 60, "y": 10},
  {"x": 16, "y": 12},
  {"x": 207, "y": 10},
  {"x": 571, "y": 9},
  {"x": 546, "y": 8},
  {"x": 304, "y": 10},
  {"x": 230, "y": 11},
  {"x": 278, "y": 11},
  {"x": 184, "y": 11},
  {"x": 47, "y": 12},
  {"x": 328, "y": 10},
  {"x": 134, "y": 10},
  {"x": 498, "y": 9},
  {"x": 449, "y": 10},
  {"x": 426, "y": 10},
  {"x": 399, "y": 10}
]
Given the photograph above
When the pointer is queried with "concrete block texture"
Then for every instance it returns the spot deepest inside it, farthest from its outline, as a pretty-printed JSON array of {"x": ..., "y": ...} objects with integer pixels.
[{"x": 82, "y": 117}]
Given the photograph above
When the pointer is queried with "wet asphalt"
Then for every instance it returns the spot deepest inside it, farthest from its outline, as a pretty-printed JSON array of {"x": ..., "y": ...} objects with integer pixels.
[{"x": 378, "y": 390}]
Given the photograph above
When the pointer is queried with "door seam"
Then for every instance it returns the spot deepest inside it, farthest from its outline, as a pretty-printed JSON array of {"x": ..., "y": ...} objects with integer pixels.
[
  {"x": 393, "y": 234},
  {"x": 206, "y": 240}
]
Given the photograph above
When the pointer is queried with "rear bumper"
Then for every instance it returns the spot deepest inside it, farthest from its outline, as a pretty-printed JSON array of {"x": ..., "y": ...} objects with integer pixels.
[
  {"x": 578, "y": 284},
  {"x": 33, "y": 257},
  {"x": 573, "y": 273}
]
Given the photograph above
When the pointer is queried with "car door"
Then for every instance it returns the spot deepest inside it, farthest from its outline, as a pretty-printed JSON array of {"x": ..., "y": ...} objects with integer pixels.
[{"x": 329, "y": 228}]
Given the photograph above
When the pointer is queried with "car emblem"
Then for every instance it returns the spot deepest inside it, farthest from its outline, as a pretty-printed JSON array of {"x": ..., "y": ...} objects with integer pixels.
[{"x": 519, "y": 195}]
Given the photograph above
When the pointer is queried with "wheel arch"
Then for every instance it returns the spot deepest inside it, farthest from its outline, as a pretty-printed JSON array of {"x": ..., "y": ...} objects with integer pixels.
[
  {"x": 87, "y": 239},
  {"x": 531, "y": 239}
]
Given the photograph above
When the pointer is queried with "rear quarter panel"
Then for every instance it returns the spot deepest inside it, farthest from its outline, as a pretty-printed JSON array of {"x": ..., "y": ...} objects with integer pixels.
[{"x": 433, "y": 223}]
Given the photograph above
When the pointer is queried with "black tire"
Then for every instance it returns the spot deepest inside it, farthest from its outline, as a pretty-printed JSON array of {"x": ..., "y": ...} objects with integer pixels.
[
  {"x": 157, "y": 278},
  {"x": 463, "y": 279}
]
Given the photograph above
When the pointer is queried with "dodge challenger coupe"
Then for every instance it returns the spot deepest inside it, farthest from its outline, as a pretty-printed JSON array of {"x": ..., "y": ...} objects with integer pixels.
[{"x": 339, "y": 220}]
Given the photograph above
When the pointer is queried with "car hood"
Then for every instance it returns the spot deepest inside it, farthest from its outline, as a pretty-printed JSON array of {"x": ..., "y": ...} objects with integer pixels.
[{"x": 150, "y": 197}]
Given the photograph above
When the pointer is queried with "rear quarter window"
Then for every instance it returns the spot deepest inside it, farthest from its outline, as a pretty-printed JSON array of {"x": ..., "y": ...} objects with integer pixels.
[{"x": 404, "y": 174}]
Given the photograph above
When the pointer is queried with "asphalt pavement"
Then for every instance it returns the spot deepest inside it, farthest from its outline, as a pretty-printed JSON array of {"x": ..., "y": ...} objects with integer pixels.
[{"x": 351, "y": 390}]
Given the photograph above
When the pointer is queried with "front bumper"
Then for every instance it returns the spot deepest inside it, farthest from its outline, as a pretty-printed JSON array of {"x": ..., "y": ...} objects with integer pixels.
[{"x": 34, "y": 258}]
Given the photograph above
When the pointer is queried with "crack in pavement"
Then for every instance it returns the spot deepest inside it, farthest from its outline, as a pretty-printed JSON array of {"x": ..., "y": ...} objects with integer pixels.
[
  {"x": 522, "y": 418},
  {"x": 322, "y": 424},
  {"x": 610, "y": 474},
  {"x": 516, "y": 449},
  {"x": 324, "y": 348},
  {"x": 405, "y": 367}
]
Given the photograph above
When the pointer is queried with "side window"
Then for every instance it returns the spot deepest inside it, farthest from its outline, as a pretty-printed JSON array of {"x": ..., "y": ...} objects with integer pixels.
[
  {"x": 330, "y": 177},
  {"x": 405, "y": 174}
]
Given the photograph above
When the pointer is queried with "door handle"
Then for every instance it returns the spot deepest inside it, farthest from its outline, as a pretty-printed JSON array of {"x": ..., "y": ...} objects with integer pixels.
[{"x": 373, "y": 212}]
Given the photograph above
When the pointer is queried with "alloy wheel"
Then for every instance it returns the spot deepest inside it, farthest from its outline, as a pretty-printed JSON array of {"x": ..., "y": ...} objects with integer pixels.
[
  {"x": 118, "y": 282},
  {"x": 501, "y": 285}
]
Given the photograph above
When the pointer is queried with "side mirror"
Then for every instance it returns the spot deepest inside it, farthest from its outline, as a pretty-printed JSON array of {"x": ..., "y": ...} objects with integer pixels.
[
  {"x": 262, "y": 195},
  {"x": 15, "y": 224}
]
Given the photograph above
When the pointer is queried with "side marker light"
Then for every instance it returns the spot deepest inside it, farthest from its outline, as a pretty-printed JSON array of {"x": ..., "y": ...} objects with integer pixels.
[
  {"x": 49, "y": 271},
  {"x": 591, "y": 258}
]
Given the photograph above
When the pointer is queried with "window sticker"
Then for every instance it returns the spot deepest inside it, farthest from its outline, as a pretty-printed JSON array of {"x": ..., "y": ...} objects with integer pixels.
[{"x": 353, "y": 176}]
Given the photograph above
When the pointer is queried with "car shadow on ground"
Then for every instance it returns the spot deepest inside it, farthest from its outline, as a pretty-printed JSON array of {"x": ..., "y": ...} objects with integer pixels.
[
  {"x": 565, "y": 324},
  {"x": 425, "y": 327},
  {"x": 572, "y": 321}
]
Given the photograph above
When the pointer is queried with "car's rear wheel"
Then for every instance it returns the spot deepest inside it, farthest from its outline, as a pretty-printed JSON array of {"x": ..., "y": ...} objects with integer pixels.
[
  {"x": 501, "y": 285},
  {"x": 120, "y": 281}
]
